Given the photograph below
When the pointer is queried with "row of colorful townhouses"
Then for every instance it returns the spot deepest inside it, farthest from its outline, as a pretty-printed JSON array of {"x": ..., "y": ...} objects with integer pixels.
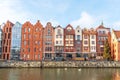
[{"x": 35, "y": 42}]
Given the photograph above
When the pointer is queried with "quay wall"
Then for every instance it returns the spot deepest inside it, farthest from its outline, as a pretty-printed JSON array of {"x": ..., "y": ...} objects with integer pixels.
[{"x": 60, "y": 64}]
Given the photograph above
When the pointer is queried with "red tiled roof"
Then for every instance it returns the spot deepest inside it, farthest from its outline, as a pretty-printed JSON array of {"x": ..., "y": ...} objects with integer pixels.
[
  {"x": 117, "y": 33},
  {"x": 101, "y": 27}
]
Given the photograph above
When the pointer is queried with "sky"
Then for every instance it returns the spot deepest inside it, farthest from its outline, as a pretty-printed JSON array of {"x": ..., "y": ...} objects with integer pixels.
[{"x": 85, "y": 13}]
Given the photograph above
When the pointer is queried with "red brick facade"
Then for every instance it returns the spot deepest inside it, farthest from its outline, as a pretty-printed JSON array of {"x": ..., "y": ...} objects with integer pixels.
[
  {"x": 38, "y": 41},
  {"x": 69, "y": 42},
  {"x": 48, "y": 41},
  {"x": 6, "y": 44},
  {"x": 102, "y": 35},
  {"x": 32, "y": 41},
  {"x": 27, "y": 42}
]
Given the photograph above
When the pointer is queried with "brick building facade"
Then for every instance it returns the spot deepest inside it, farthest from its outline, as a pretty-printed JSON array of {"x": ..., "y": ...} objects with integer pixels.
[
  {"x": 38, "y": 41},
  {"x": 48, "y": 42},
  {"x": 27, "y": 42},
  {"x": 69, "y": 42},
  {"x": 6, "y": 40},
  {"x": 102, "y": 35}
]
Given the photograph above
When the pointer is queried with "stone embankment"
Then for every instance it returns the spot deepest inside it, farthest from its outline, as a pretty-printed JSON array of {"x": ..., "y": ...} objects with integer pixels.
[{"x": 60, "y": 64}]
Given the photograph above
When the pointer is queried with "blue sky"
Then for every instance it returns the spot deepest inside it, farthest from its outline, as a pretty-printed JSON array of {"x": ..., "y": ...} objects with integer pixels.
[{"x": 86, "y": 13}]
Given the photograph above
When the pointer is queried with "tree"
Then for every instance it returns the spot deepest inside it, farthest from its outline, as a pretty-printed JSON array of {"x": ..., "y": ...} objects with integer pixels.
[{"x": 107, "y": 52}]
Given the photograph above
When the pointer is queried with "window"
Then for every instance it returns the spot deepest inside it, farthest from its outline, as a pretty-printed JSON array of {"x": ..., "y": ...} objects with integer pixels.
[
  {"x": 24, "y": 36},
  {"x": 99, "y": 32},
  {"x": 48, "y": 43},
  {"x": 48, "y": 49},
  {"x": 9, "y": 35},
  {"x": 71, "y": 42},
  {"x": 34, "y": 49},
  {"x": 56, "y": 36},
  {"x": 67, "y": 42},
  {"x": 56, "y": 42},
  {"x": 24, "y": 42},
  {"x": 92, "y": 36},
  {"x": 60, "y": 42},
  {"x": 103, "y": 32},
  {"x": 47, "y": 55},
  {"x": 28, "y": 56},
  {"x": 59, "y": 31},
  {"x": 9, "y": 29},
  {"x": 60, "y": 36},
  {"x": 78, "y": 31},
  {"x": 48, "y": 36},
  {"x": 78, "y": 37},
  {"x": 24, "y": 55},
  {"x": 48, "y": 31},
  {"x": 39, "y": 49},
  {"x": 36, "y": 42},
  {"x": 37, "y": 29},
  {"x": 25, "y": 30},
  {"x": 28, "y": 29},
  {"x": 71, "y": 36},
  {"x": 102, "y": 49},
  {"x": 28, "y": 49},
  {"x": 93, "y": 42},
  {"x": 67, "y": 36},
  {"x": 38, "y": 56},
  {"x": 78, "y": 42},
  {"x": 35, "y": 36},
  {"x": 29, "y": 36},
  {"x": 85, "y": 36},
  {"x": 100, "y": 42},
  {"x": 85, "y": 42}
]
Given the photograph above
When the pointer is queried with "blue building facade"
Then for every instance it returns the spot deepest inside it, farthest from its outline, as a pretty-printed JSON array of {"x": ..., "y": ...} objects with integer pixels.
[{"x": 16, "y": 41}]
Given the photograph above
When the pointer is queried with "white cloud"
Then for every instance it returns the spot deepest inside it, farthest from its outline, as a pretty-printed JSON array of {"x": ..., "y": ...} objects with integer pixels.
[
  {"x": 85, "y": 20},
  {"x": 12, "y": 10}
]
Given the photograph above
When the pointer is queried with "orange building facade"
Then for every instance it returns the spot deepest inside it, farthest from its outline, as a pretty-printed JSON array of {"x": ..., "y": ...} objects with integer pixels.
[
  {"x": 27, "y": 42},
  {"x": 115, "y": 45},
  {"x": 6, "y": 40},
  {"x": 31, "y": 44},
  {"x": 38, "y": 41}
]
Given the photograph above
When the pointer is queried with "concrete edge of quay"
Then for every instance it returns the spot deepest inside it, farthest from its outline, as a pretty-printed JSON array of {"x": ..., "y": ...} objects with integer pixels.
[{"x": 59, "y": 64}]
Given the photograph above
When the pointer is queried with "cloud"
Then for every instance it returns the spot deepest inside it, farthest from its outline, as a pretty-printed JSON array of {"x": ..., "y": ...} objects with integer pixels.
[
  {"x": 85, "y": 20},
  {"x": 13, "y": 11}
]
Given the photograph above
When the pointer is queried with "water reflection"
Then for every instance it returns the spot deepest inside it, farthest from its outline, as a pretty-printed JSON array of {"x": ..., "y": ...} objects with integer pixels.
[
  {"x": 116, "y": 75},
  {"x": 59, "y": 74}
]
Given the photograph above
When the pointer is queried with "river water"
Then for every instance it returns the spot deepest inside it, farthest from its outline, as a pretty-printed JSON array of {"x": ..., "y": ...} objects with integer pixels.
[{"x": 59, "y": 74}]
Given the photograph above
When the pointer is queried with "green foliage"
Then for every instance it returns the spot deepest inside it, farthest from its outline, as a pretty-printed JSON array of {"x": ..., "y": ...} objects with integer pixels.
[{"x": 107, "y": 54}]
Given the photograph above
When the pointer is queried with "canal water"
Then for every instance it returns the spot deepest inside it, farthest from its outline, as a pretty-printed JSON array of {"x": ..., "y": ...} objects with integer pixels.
[{"x": 59, "y": 74}]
